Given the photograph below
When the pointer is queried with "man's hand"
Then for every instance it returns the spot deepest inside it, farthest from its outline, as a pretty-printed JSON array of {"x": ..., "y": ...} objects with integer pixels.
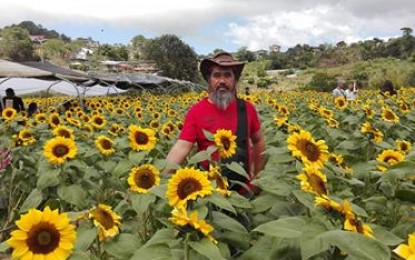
[{"x": 5, "y": 158}]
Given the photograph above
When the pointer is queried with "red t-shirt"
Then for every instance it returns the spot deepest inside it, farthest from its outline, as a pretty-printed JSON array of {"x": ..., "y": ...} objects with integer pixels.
[{"x": 205, "y": 115}]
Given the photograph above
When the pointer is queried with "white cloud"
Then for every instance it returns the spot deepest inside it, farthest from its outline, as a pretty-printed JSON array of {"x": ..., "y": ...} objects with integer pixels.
[{"x": 326, "y": 23}]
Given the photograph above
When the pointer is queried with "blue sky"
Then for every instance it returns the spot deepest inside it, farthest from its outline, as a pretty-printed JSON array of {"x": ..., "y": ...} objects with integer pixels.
[{"x": 209, "y": 24}]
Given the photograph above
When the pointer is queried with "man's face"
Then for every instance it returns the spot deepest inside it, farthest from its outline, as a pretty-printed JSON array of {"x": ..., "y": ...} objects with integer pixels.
[{"x": 222, "y": 86}]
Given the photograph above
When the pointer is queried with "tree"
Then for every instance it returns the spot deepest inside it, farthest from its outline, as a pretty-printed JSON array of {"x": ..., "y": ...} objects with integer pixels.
[
  {"x": 406, "y": 31},
  {"x": 54, "y": 49},
  {"x": 174, "y": 58},
  {"x": 16, "y": 45},
  {"x": 244, "y": 54},
  {"x": 137, "y": 44}
]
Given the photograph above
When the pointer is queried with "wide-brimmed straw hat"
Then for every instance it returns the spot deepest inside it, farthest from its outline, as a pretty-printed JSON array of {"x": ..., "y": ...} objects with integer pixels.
[{"x": 223, "y": 59}]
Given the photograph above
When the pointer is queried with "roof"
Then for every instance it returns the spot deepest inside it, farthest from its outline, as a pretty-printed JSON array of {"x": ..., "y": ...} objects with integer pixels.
[
  {"x": 58, "y": 71},
  {"x": 13, "y": 69}
]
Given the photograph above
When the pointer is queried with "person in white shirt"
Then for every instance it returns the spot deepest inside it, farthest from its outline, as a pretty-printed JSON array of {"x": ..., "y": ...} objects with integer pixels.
[
  {"x": 339, "y": 90},
  {"x": 351, "y": 92}
]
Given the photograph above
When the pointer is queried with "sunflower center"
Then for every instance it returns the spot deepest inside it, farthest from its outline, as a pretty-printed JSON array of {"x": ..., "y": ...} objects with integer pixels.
[
  {"x": 9, "y": 113},
  {"x": 389, "y": 115},
  {"x": 26, "y": 135},
  {"x": 55, "y": 120},
  {"x": 60, "y": 150},
  {"x": 391, "y": 160},
  {"x": 145, "y": 179},
  {"x": 43, "y": 238},
  {"x": 141, "y": 138},
  {"x": 226, "y": 143},
  {"x": 309, "y": 150},
  {"x": 104, "y": 218},
  {"x": 404, "y": 147},
  {"x": 98, "y": 121},
  {"x": 317, "y": 184},
  {"x": 64, "y": 133},
  {"x": 106, "y": 144},
  {"x": 187, "y": 187}
]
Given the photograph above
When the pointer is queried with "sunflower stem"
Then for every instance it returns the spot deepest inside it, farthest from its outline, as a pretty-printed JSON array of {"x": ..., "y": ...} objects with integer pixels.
[{"x": 186, "y": 247}]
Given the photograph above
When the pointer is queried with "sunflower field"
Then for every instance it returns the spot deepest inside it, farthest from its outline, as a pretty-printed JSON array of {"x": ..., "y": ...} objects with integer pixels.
[{"x": 91, "y": 182}]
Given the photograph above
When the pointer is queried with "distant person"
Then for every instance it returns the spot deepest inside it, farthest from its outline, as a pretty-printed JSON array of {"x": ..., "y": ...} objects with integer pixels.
[
  {"x": 351, "y": 91},
  {"x": 339, "y": 90},
  {"x": 388, "y": 89},
  {"x": 1, "y": 104},
  {"x": 13, "y": 101},
  {"x": 247, "y": 90},
  {"x": 32, "y": 108}
]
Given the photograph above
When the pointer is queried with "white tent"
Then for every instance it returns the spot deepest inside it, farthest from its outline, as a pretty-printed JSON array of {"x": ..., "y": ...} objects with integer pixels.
[{"x": 24, "y": 86}]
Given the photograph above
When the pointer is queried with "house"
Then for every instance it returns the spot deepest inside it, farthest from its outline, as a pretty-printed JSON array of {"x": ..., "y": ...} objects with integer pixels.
[
  {"x": 37, "y": 39},
  {"x": 274, "y": 48}
]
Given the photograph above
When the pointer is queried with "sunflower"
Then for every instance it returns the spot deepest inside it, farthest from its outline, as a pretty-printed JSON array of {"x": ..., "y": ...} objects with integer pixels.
[
  {"x": 104, "y": 145},
  {"x": 41, "y": 118},
  {"x": 107, "y": 221},
  {"x": 312, "y": 180},
  {"x": 9, "y": 114},
  {"x": 222, "y": 185},
  {"x": 389, "y": 116},
  {"x": 403, "y": 146},
  {"x": 26, "y": 137},
  {"x": 143, "y": 178},
  {"x": 155, "y": 115},
  {"x": 389, "y": 157},
  {"x": 329, "y": 205},
  {"x": 340, "y": 102},
  {"x": 404, "y": 107},
  {"x": 303, "y": 146},
  {"x": 114, "y": 129},
  {"x": 63, "y": 131},
  {"x": 407, "y": 251},
  {"x": 154, "y": 124},
  {"x": 293, "y": 128},
  {"x": 375, "y": 133},
  {"x": 165, "y": 130},
  {"x": 54, "y": 120},
  {"x": 44, "y": 235},
  {"x": 280, "y": 120},
  {"x": 356, "y": 225},
  {"x": 74, "y": 122},
  {"x": 59, "y": 149},
  {"x": 142, "y": 138},
  {"x": 325, "y": 113},
  {"x": 179, "y": 125},
  {"x": 187, "y": 184},
  {"x": 225, "y": 141},
  {"x": 369, "y": 113},
  {"x": 171, "y": 113},
  {"x": 180, "y": 218},
  {"x": 331, "y": 122},
  {"x": 98, "y": 121}
]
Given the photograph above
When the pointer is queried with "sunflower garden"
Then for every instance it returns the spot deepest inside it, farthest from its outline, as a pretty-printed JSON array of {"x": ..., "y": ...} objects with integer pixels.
[{"x": 338, "y": 182}]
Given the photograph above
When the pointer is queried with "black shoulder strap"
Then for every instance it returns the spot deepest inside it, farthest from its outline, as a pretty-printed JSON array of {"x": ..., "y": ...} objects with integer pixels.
[
  {"x": 241, "y": 155},
  {"x": 242, "y": 131}
]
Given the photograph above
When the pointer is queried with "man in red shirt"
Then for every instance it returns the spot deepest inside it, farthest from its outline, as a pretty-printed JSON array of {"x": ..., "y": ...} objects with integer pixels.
[{"x": 220, "y": 111}]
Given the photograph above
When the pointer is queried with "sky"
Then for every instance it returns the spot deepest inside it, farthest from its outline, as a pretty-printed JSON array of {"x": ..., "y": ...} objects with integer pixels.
[{"x": 206, "y": 25}]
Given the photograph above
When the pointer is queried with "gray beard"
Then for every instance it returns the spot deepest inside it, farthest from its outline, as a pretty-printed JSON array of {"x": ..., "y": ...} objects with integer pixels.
[{"x": 222, "y": 99}]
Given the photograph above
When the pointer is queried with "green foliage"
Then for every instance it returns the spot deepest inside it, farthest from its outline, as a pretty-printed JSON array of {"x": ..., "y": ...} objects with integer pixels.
[
  {"x": 54, "y": 49},
  {"x": 15, "y": 44},
  {"x": 244, "y": 54},
  {"x": 321, "y": 81},
  {"x": 174, "y": 58}
]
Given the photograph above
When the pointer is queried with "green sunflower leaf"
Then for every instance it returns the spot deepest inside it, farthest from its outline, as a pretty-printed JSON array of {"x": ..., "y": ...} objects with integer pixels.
[
  {"x": 32, "y": 201},
  {"x": 207, "y": 248},
  {"x": 284, "y": 227}
]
